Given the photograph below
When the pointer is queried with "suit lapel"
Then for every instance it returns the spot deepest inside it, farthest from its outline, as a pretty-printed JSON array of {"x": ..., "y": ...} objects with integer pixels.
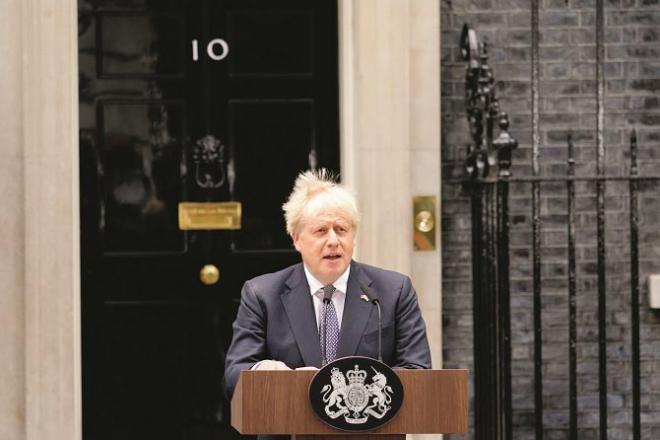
[
  {"x": 299, "y": 307},
  {"x": 356, "y": 313}
]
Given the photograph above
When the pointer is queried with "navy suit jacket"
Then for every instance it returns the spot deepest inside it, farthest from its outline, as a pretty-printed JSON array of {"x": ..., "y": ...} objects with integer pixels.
[{"x": 276, "y": 320}]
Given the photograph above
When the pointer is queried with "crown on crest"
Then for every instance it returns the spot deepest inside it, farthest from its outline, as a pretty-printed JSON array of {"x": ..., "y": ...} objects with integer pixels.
[{"x": 356, "y": 376}]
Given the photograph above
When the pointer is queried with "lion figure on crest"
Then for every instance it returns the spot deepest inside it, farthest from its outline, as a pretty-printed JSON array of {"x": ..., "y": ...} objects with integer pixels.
[{"x": 334, "y": 396}]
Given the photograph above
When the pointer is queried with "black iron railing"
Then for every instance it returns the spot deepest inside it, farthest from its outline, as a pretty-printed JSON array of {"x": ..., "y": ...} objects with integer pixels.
[
  {"x": 487, "y": 179},
  {"x": 490, "y": 239}
]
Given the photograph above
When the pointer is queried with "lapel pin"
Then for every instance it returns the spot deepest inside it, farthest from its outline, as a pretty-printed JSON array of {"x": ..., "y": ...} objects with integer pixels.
[{"x": 364, "y": 298}]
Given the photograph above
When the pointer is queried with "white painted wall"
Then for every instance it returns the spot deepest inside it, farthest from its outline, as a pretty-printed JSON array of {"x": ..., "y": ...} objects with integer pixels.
[
  {"x": 39, "y": 279},
  {"x": 390, "y": 132}
]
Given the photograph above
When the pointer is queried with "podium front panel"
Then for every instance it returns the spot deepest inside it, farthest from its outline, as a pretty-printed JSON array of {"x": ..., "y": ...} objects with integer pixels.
[{"x": 276, "y": 402}]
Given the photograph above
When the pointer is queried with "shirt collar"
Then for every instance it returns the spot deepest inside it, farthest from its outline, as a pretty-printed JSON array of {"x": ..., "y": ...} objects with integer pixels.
[{"x": 341, "y": 283}]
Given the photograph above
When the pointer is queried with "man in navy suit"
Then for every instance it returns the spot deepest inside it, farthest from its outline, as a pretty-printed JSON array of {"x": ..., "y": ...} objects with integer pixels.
[{"x": 282, "y": 314}]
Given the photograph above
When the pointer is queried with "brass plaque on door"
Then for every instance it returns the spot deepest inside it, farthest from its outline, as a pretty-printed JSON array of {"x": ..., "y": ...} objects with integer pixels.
[{"x": 216, "y": 215}]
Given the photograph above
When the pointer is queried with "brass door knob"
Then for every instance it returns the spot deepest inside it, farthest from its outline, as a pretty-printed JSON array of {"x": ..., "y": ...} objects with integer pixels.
[{"x": 209, "y": 274}]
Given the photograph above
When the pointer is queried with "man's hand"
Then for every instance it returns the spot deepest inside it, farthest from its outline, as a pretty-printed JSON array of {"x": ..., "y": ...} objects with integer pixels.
[{"x": 269, "y": 364}]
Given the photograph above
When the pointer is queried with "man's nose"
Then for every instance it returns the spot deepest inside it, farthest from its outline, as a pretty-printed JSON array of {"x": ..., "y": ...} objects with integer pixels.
[{"x": 332, "y": 237}]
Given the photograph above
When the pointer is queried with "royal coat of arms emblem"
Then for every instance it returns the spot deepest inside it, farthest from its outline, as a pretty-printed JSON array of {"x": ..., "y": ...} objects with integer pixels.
[
  {"x": 356, "y": 401},
  {"x": 358, "y": 397}
]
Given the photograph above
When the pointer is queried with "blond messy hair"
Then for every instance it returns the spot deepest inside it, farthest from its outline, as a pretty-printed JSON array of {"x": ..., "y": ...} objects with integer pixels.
[{"x": 315, "y": 192}]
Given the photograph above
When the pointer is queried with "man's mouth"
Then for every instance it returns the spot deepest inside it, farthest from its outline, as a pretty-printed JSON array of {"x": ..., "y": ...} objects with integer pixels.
[{"x": 332, "y": 257}]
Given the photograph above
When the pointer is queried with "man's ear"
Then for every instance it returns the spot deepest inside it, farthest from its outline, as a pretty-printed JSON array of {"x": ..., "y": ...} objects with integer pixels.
[{"x": 294, "y": 237}]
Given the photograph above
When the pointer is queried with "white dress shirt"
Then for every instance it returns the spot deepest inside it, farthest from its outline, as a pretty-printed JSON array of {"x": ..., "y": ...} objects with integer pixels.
[{"x": 338, "y": 299}]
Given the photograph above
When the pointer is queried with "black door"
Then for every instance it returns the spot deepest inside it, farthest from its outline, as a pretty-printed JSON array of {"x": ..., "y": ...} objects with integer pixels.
[{"x": 184, "y": 100}]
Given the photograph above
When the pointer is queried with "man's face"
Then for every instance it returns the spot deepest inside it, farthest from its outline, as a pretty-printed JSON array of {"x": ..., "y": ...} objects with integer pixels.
[{"x": 326, "y": 243}]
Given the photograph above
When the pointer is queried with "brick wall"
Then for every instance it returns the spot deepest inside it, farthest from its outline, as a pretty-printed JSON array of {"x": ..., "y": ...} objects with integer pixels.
[{"x": 567, "y": 103}]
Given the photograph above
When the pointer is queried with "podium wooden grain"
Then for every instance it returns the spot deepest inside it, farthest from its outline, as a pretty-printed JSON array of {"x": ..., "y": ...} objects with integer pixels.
[{"x": 276, "y": 402}]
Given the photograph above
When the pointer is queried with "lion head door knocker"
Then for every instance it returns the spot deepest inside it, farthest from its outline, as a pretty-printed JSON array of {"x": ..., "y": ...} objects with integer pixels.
[{"x": 209, "y": 157}]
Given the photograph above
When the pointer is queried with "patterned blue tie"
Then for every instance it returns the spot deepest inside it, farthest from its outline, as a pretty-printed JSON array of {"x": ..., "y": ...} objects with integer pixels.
[{"x": 329, "y": 314}]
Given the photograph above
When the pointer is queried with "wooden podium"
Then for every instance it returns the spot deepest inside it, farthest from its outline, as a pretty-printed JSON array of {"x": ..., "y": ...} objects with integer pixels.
[{"x": 277, "y": 402}]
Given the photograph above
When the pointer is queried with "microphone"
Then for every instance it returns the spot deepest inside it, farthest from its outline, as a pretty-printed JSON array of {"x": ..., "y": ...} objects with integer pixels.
[
  {"x": 327, "y": 297},
  {"x": 370, "y": 296}
]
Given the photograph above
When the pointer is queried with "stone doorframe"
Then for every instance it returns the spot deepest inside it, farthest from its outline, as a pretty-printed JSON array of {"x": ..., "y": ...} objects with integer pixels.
[
  {"x": 390, "y": 119},
  {"x": 40, "y": 275}
]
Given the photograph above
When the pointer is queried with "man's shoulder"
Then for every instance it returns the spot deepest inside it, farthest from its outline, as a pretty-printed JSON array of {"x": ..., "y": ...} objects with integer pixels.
[{"x": 379, "y": 274}]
